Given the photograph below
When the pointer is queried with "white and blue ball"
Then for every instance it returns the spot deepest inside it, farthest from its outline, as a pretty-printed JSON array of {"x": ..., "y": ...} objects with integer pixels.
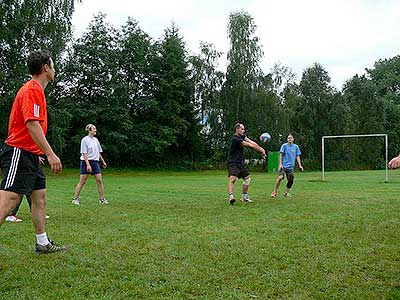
[{"x": 265, "y": 137}]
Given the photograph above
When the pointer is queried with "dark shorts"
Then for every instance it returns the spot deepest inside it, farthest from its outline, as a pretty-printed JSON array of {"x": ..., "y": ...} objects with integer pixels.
[
  {"x": 288, "y": 172},
  {"x": 95, "y": 167},
  {"x": 237, "y": 169},
  {"x": 21, "y": 169}
]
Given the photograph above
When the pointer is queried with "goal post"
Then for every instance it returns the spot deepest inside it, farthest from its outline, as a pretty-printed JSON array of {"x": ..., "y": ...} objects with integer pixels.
[{"x": 355, "y": 136}]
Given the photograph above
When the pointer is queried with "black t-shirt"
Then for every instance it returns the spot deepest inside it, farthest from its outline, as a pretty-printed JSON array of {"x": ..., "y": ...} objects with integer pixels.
[{"x": 236, "y": 151}]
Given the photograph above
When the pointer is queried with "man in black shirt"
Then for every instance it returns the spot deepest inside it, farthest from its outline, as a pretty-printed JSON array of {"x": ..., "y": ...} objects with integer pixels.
[{"x": 236, "y": 164}]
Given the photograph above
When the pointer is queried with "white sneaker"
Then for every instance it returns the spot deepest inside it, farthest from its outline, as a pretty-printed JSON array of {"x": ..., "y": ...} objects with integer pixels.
[
  {"x": 13, "y": 218},
  {"x": 76, "y": 201},
  {"x": 103, "y": 201},
  {"x": 47, "y": 217},
  {"x": 248, "y": 200}
]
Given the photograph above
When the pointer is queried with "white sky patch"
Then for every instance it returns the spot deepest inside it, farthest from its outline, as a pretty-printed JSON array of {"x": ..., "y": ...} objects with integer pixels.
[{"x": 345, "y": 37}]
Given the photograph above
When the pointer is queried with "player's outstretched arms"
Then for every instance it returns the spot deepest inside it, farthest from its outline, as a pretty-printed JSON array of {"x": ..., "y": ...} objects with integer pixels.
[{"x": 250, "y": 144}]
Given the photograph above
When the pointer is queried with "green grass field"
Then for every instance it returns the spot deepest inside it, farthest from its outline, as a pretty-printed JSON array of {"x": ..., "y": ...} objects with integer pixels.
[{"x": 172, "y": 235}]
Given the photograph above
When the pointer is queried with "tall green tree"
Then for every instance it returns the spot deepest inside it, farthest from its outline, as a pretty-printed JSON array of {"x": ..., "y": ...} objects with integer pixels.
[
  {"x": 315, "y": 113},
  {"x": 367, "y": 115},
  {"x": 243, "y": 74},
  {"x": 207, "y": 82},
  {"x": 386, "y": 76},
  {"x": 91, "y": 94},
  {"x": 138, "y": 66},
  {"x": 174, "y": 93},
  {"x": 26, "y": 26}
]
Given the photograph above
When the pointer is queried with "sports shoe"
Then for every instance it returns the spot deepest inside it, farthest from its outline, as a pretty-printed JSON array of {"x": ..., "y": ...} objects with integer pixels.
[
  {"x": 248, "y": 200},
  {"x": 273, "y": 194},
  {"x": 76, "y": 201},
  {"x": 51, "y": 247},
  {"x": 13, "y": 218},
  {"x": 287, "y": 194},
  {"x": 103, "y": 201},
  {"x": 47, "y": 217},
  {"x": 231, "y": 200}
]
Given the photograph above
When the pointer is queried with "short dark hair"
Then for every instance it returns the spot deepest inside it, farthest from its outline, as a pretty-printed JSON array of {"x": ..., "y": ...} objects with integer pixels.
[
  {"x": 36, "y": 60},
  {"x": 236, "y": 126}
]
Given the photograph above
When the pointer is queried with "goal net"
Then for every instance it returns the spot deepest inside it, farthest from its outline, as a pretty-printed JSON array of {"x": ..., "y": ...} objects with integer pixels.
[{"x": 328, "y": 137}]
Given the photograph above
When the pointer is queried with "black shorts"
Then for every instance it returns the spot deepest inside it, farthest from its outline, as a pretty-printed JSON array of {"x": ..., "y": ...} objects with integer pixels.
[
  {"x": 21, "y": 169},
  {"x": 237, "y": 169},
  {"x": 288, "y": 172}
]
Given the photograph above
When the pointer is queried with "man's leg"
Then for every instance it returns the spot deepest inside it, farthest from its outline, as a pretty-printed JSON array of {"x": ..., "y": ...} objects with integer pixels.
[
  {"x": 231, "y": 189},
  {"x": 245, "y": 189},
  {"x": 38, "y": 198},
  {"x": 16, "y": 209},
  {"x": 8, "y": 200},
  {"x": 246, "y": 184},
  {"x": 43, "y": 244}
]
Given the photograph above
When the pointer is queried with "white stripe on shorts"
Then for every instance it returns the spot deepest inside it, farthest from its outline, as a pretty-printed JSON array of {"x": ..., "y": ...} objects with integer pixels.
[{"x": 13, "y": 168}]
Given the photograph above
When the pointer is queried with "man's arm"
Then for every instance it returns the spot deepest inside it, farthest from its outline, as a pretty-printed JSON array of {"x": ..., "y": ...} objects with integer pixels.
[
  {"x": 36, "y": 132},
  {"x": 250, "y": 144}
]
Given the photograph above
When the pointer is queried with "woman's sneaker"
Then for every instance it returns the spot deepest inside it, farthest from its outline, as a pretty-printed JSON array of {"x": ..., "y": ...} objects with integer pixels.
[
  {"x": 273, "y": 194},
  {"x": 51, "y": 247},
  {"x": 76, "y": 201}
]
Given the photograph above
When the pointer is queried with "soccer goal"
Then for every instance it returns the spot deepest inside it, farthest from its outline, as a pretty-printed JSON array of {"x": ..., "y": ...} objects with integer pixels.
[{"x": 355, "y": 136}]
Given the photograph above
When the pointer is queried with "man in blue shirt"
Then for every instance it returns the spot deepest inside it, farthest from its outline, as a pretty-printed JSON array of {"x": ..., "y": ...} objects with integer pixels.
[{"x": 289, "y": 153}]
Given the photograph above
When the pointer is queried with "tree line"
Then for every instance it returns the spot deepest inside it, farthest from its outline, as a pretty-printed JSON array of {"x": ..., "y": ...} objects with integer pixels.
[{"x": 155, "y": 105}]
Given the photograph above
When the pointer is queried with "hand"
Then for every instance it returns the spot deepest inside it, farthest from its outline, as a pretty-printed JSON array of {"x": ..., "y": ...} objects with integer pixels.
[
  {"x": 55, "y": 164},
  {"x": 301, "y": 168},
  {"x": 104, "y": 164},
  {"x": 264, "y": 156},
  {"x": 41, "y": 160},
  {"x": 88, "y": 168},
  {"x": 395, "y": 162}
]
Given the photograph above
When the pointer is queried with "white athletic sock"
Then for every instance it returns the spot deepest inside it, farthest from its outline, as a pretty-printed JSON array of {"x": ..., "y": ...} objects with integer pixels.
[{"x": 42, "y": 239}]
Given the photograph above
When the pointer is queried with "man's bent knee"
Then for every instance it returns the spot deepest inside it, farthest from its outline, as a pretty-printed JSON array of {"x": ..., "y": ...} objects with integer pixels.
[{"x": 232, "y": 179}]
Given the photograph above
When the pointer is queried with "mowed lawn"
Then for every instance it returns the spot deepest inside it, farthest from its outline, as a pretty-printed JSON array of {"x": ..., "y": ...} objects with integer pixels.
[{"x": 173, "y": 235}]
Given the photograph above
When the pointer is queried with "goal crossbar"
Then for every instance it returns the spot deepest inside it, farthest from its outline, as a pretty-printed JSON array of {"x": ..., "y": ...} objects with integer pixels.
[{"x": 355, "y": 136}]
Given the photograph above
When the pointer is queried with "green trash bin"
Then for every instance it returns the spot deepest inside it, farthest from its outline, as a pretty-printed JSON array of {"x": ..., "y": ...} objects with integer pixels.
[{"x": 273, "y": 161}]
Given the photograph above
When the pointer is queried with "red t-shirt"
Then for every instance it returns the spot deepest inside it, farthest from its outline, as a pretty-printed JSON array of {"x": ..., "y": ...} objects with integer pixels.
[{"x": 29, "y": 104}]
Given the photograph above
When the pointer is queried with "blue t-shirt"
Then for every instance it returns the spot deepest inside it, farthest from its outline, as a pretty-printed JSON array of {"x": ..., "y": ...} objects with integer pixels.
[{"x": 289, "y": 154}]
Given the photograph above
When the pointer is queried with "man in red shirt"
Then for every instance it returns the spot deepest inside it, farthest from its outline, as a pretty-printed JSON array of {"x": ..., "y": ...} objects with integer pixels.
[{"x": 26, "y": 141}]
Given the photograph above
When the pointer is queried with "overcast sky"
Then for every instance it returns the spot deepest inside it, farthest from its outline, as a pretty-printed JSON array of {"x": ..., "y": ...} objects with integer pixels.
[{"x": 345, "y": 36}]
